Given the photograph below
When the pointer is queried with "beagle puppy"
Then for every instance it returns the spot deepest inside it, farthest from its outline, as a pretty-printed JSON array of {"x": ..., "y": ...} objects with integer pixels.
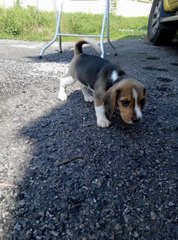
[{"x": 106, "y": 84}]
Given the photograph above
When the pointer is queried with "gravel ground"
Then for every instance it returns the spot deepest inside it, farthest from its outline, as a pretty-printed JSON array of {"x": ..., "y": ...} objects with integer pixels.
[{"x": 64, "y": 178}]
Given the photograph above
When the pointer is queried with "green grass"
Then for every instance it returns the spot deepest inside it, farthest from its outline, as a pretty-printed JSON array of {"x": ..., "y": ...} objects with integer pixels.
[{"x": 30, "y": 24}]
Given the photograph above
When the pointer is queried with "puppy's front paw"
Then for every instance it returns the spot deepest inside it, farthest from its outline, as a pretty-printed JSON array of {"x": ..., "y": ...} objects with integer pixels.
[
  {"x": 104, "y": 122},
  {"x": 62, "y": 96}
]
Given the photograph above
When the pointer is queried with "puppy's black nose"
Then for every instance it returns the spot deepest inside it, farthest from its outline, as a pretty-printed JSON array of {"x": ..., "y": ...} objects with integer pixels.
[{"x": 136, "y": 120}]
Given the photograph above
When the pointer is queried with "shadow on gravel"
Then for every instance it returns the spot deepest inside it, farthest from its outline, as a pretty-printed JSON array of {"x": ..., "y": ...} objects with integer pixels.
[
  {"x": 84, "y": 182},
  {"x": 51, "y": 55},
  {"x": 54, "y": 56}
]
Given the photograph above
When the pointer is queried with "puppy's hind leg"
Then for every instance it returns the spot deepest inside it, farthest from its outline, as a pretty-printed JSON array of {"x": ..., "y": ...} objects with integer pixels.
[
  {"x": 86, "y": 93},
  {"x": 62, "y": 95}
]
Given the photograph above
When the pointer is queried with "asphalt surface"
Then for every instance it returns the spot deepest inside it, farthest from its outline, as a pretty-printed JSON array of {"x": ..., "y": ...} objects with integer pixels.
[{"x": 61, "y": 176}]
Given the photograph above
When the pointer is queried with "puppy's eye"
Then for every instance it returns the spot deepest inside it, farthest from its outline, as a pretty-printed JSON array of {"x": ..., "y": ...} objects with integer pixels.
[{"x": 125, "y": 103}]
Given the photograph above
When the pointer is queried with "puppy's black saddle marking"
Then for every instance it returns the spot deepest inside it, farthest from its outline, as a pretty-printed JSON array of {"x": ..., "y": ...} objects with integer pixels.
[{"x": 88, "y": 69}]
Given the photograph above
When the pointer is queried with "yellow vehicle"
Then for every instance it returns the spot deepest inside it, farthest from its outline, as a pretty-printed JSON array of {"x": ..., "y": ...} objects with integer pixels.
[{"x": 163, "y": 21}]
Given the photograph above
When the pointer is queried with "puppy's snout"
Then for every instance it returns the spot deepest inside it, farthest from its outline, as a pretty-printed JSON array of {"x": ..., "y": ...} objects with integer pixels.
[
  {"x": 136, "y": 120},
  {"x": 137, "y": 116}
]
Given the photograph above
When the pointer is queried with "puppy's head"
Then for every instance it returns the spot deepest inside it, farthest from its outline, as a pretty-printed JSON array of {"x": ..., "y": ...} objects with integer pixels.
[{"x": 129, "y": 96}]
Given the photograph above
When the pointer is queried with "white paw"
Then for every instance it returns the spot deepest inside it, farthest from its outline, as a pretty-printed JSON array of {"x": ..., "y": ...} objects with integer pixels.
[
  {"x": 88, "y": 98},
  {"x": 104, "y": 123},
  {"x": 62, "y": 96}
]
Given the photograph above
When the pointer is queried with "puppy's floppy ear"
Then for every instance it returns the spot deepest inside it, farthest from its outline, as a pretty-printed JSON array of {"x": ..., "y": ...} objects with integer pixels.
[
  {"x": 145, "y": 92},
  {"x": 110, "y": 99},
  {"x": 143, "y": 100}
]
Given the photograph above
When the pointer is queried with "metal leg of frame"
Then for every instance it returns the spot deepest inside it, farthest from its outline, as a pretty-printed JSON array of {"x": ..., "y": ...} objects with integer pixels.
[
  {"x": 59, "y": 30},
  {"x": 105, "y": 23},
  {"x": 60, "y": 43},
  {"x": 103, "y": 29},
  {"x": 58, "y": 19},
  {"x": 108, "y": 30},
  {"x": 47, "y": 45}
]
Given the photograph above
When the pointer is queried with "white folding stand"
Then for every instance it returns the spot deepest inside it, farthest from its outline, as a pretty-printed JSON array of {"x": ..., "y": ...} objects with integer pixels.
[{"x": 58, "y": 33}]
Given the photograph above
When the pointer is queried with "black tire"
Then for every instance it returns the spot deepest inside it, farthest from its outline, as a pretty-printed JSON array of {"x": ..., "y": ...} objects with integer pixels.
[{"x": 159, "y": 33}]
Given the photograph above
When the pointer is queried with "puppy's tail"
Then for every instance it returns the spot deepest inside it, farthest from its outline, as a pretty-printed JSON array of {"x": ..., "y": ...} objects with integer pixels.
[{"x": 92, "y": 43}]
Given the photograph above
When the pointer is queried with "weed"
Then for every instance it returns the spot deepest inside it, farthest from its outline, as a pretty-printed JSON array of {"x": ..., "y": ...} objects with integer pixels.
[{"x": 30, "y": 24}]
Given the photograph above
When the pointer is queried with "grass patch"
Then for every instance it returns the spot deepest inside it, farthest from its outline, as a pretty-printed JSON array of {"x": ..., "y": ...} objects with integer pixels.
[{"x": 30, "y": 24}]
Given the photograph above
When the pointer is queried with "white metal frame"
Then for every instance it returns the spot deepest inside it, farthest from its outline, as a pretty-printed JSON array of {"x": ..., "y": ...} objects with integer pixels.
[{"x": 101, "y": 36}]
